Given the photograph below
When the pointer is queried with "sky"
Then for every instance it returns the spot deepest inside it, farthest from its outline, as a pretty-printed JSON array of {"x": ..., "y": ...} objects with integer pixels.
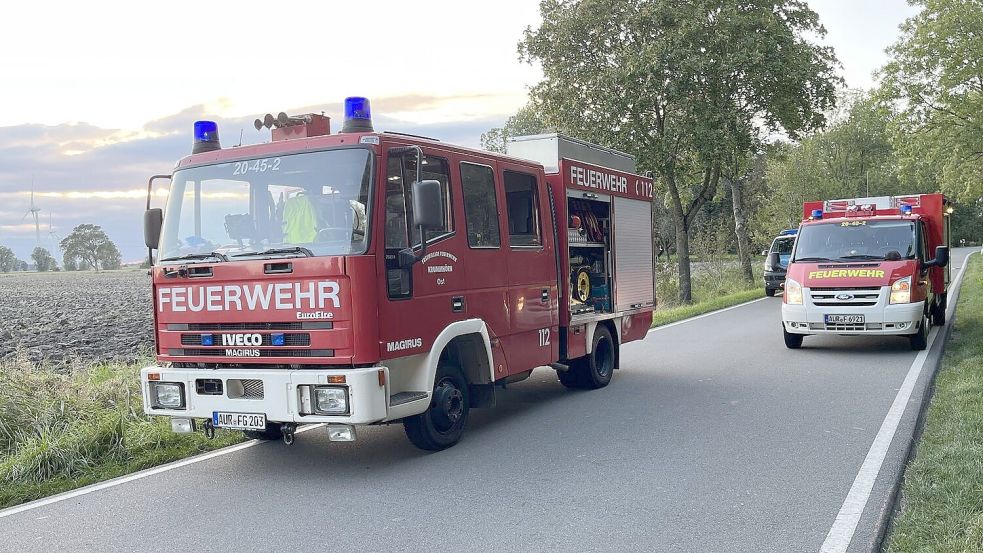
[{"x": 100, "y": 96}]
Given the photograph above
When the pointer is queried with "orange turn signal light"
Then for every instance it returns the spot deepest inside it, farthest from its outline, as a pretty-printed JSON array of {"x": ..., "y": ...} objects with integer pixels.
[
  {"x": 336, "y": 379},
  {"x": 153, "y": 376},
  {"x": 382, "y": 377}
]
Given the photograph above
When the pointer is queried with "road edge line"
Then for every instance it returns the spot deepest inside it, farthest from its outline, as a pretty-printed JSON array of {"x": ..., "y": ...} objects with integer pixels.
[
  {"x": 119, "y": 480},
  {"x": 697, "y": 317},
  {"x": 844, "y": 526}
]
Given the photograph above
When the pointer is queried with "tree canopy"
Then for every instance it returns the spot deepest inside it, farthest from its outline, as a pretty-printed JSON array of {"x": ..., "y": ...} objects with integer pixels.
[{"x": 88, "y": 246}]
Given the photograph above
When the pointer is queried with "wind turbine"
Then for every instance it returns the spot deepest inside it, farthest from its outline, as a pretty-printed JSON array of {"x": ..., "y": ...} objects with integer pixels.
[
  {"x": 34, "y": 212},
  {"x": 51, "y": 230}
]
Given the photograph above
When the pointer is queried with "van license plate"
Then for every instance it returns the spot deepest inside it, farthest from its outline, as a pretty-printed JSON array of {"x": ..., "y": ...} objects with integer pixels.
[
  {"x": 239, "y": 421},
  {"x": 844, "y": 319}
]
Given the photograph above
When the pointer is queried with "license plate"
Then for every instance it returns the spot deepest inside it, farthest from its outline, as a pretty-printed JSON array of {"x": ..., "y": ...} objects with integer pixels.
[
  {"x": 241, "y": 421},
  {"x": 845, "y": 319}
]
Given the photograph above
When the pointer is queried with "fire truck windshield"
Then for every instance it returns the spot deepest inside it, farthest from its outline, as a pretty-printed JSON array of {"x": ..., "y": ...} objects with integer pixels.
[
  {"x": 856, "y": 239},
  {"x": 305, "y": 203}
]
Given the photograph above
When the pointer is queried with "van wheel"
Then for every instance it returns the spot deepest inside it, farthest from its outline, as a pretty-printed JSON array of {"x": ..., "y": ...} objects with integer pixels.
[
  {"x": 938, "y": 310},
  {"x": 441, "y": 425},
  {"x": 919, "y": 340},
  {"x": 793, "y": 341},
  {"x": 272, "y": 432},
  {"x": 769, "y": 292}
]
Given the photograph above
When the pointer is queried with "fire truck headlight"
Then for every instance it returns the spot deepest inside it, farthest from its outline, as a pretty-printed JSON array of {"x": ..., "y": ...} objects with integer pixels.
[
  {"x": 331, "y": 400},
  {"x": 793, "y": 292},
  {"x": 901, "y": 290},
  {"x": 167, "y": 395}
]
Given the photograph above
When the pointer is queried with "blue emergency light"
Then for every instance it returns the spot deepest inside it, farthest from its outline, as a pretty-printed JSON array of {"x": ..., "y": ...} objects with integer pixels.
[
  {"x": 817, "y": 214},
  {"x": 207, "y": 340},
  {"x": 790, "y": 232},
  {"x": 277, "y": 339},
  {"x": 905, "y": 209},
  {"x": 206, "y": 137},
  {"x": 358, "y": 115}
]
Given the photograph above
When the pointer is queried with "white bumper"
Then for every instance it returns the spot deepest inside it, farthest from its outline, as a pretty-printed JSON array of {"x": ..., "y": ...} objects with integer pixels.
[
  {"x": 277, "y": 397},
  {"x": 880, "y": 319}
]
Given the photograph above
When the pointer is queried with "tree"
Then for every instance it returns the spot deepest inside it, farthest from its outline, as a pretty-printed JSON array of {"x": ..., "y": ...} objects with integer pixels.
[
  {"x": 89, "y": 247},
  {"x": 43, "y": 261},
  {"x": 526, "y": 121},
  {"x": 7, "y": 259},
  {"x": 936, "y": 75},
  {"x": 684, "y": 86}
]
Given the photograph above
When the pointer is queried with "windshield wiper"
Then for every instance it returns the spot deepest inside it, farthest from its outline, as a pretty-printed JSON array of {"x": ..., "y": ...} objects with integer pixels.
[
  {"x": 193, "y": 256},
  {"x": 813, "y": 259},
  {"x": 279, "y": 251},
  {"x": 862, "y": 256}
]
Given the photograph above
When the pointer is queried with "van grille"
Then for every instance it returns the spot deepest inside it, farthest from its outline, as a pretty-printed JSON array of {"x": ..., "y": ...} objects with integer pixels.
[{"x": 860, "y": 296}]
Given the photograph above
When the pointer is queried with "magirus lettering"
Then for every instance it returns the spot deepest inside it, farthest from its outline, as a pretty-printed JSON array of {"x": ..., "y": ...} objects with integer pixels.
[
  {"x": 404, "y": 344},
  {"x": 250, "y": 297},
  {"x": 242, "y": 353}
]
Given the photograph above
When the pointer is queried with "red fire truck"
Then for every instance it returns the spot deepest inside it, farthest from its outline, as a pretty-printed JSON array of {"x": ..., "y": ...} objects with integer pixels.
[
  {"x": 373, "y": 277},
  {"x": 869, "y": 266}
]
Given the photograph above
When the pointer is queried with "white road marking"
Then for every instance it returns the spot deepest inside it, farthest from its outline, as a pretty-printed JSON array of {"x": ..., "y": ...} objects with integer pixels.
[
  {"x": 137, "y": 475},
  {"x": 698, "y": 317},
  {"x": 845, "y": 526}
]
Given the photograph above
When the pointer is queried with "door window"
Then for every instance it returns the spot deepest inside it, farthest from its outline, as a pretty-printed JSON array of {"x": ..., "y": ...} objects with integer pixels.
[
  {"x": 521, "y": 199},
  {"x": 480, "y": 206}
]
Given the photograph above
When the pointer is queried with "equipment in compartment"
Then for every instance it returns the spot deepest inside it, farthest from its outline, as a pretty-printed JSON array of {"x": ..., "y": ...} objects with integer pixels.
[{"x": 588, "y": 236}]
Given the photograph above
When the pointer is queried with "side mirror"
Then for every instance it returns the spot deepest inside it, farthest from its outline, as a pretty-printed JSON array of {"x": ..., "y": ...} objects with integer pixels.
[
  {"x": 764, "y": 253},
  {"x": 774, "y": 260},
  {"x": 941, "y": 257},
  {"x": 428, "y": 204},
  {"x": 153, "y": 220}
]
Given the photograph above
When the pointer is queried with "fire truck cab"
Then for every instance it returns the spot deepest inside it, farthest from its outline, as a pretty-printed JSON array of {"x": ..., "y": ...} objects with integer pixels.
[
  {"x": 373, "y": 277},
  {"x": 868, "y": 266}
]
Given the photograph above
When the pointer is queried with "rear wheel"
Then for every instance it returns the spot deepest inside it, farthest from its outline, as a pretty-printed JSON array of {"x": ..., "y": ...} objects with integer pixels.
[
  {"x": 792, "y": 341},
  {"x": 597, "y": 368},
  {"x": 272, "y": 432},
  {"x": 919, "y": 340},
  {"x": 442, "y": 425},
  {"x": 769, "y": 292},
  {"x": 938, "y": 310}
]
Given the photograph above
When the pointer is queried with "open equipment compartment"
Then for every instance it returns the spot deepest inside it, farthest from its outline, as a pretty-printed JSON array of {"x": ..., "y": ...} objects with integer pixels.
[{"x": 606, "y": 211}]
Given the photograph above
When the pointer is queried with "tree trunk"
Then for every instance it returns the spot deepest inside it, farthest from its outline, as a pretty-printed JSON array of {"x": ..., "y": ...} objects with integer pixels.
[{"x": 740, "y": 227}]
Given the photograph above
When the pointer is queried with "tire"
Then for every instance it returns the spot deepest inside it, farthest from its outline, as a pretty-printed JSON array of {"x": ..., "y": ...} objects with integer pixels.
[
  {"x": 443, "y": 423},
  {"x": 596, "y": 369},
  {"x": 938, "y": 310},
  {"x": 769, "y": 292},
  {"x": 919, "y": 340},
  {"x": 272, "y": 432},
  {"x": 792, "y": 341}
]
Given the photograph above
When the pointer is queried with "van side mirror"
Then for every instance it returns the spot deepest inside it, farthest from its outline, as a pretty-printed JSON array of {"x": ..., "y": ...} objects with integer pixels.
[
  {"x": 941, "y": 257},
  {"x": 764, "y": 253},
  {"x": 153, "y": 220},
  {"x": 428, "y": 204}
]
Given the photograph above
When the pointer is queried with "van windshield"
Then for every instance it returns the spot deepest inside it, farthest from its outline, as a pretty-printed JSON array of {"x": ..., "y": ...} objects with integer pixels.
[
  {"x": 783, "y": 246},
  {"x": 313, "y": 203},
  {"x": 851, "y": 240}
]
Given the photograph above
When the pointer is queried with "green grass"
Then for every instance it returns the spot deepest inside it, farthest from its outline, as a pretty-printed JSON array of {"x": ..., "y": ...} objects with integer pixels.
[
  {"x": 942, "y": 497},
  {"x": 671, "y": 315},
  {"x": 63, "y": 430}
]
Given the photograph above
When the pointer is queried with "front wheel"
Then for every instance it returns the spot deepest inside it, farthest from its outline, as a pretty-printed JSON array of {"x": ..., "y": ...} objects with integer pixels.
[
  {"x": 792, "y": 341},
  {"x": 441, "y": 425},
  {"x": 938, "y": 310},
  {"x": 919, "y": 340}
]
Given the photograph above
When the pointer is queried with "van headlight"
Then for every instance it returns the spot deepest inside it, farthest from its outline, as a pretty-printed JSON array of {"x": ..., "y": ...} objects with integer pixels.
[
  {"x": 330, "y": 400},
  {"x": 901, "y": 290},
  {"x": 167, "y": 395},
  {"x": 793, "y": 292}
]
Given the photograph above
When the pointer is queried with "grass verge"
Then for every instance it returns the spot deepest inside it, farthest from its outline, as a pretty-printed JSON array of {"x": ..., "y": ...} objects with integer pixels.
[
  {"x": 942, "y": 496},
  {"x": 63, "y": 430},
  {"x": 673, "y": 314}
]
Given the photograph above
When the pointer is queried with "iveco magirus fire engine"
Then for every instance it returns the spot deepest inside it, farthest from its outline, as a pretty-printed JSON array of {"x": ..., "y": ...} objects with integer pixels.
[
  {"x": 374, "y": 277},
  {"x": 868, "y": 267}
]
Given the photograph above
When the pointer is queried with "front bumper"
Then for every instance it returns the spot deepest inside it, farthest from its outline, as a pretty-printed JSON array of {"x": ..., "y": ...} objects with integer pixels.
[
  {"x": 774, "y": 280},
  {"x": 880, "y": 319},
  {"x": 277, "y": 396}
]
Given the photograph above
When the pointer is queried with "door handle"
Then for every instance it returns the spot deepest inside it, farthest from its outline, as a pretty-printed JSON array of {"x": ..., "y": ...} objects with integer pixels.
[{"x": 457, "y": 304}]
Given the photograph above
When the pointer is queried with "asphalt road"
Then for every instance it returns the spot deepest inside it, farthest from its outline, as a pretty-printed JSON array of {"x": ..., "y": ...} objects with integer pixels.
[{"x": 712, "y": 437}]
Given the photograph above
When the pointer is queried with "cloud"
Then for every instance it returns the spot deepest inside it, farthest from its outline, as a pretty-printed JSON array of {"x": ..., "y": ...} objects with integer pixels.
[{"x": 87, "y": 174}]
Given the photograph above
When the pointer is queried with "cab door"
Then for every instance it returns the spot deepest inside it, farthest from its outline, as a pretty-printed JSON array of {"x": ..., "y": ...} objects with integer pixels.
[{"x": 531, "y": 264}]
